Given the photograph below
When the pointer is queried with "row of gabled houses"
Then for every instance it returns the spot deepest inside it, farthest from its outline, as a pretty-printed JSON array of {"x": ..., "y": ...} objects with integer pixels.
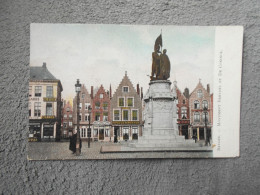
[
  {"x": 109, "y": 115},
  {"x": 118, "y": 115}
]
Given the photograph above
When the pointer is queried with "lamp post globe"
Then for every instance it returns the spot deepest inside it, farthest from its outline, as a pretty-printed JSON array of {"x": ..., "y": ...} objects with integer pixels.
[{"x": 78, "y": 141}]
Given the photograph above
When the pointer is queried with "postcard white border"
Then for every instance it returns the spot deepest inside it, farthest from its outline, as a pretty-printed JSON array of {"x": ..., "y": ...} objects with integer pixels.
[{"x": 227, "y": 91}]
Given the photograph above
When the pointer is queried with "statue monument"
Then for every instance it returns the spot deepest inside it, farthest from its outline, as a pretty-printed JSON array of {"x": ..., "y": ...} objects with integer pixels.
[{"x": 160, "y": 130}]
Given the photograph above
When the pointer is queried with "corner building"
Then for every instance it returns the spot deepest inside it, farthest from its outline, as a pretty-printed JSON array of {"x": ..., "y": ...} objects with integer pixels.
[
  {"x": 44, "y": 105},
  {"x": 126, "y": 111}
]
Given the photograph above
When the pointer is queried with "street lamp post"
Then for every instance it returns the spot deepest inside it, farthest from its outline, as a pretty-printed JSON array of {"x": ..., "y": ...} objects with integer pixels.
[
  {"x": 205, "y": 110},
  {"x": 78, "y": 88},
  {"x": 89, "y": 129}
]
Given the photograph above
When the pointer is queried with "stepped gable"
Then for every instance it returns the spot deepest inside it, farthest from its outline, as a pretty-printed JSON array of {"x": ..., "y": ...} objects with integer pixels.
[
  {"x": 102, "y": 90},
  {"x": 199, "y": 86},
  {"x": 125, "y": 80}
]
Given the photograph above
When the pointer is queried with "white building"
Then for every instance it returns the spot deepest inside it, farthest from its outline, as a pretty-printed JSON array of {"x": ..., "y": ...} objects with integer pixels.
[{"x": 44, "y": 105}]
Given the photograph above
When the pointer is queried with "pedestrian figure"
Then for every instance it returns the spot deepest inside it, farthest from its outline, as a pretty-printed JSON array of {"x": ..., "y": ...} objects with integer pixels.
[
  {"x": 195, "y": 138},
  {"x": 73, "y": 140}
]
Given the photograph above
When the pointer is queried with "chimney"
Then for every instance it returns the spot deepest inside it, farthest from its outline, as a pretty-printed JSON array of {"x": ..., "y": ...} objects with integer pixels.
[
  {"x": 91, "y": 93},
  {"x": 186, "y": 92},
  {"x": 110, "y": 92},
  {"x": 208, "y": 88},
  {"x": 137, "y": 88},
  {"x": 44, "y": 65},
  {"x": 142, "y": 93}
]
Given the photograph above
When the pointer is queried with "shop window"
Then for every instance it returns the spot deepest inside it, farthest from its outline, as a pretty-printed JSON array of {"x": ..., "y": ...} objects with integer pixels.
[
  {"x": 83, "y": 132},
  {"x": 196, "y": 104},
  {"x": 116, "y": 115},
  {"x": 125, "y": 115},
  {"x": 37, "y": 108},
  {"x": 38, "y": 91},
  {"x": 130, "y": 102},
  {"x": 49, "y": 91},
  {"x": 135, "y": 133},
  {"x": 134, "y": 115},
  {"x": 95, "y": 132},
  {"x": 125, "y": 133},
  {"x": 196, "y": 117},
  {"x": 107, "y": 132},
  {"x": 121, "y": 102}
]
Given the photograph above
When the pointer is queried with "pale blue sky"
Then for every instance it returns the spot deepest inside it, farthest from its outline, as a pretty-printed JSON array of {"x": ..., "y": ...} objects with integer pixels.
[{"x": 100, "y": 54}]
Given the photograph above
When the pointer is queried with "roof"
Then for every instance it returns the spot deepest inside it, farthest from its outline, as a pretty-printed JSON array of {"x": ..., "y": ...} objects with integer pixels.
[{"x": 40, "y": 73}]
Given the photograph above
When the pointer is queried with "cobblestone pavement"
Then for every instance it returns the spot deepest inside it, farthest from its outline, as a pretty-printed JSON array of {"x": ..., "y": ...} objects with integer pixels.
[{"x": 60, "y": 151}]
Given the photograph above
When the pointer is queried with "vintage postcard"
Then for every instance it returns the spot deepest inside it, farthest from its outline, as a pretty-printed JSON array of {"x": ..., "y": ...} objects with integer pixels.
[{"x": 134, "y": 91}]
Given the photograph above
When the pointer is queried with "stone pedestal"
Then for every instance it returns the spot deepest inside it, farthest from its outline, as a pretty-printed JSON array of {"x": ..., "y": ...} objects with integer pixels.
[{"x": 160, "y": 115}]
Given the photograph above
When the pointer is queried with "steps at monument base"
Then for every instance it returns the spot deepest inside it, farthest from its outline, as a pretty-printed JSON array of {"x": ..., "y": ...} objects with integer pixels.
[
  {"x": 164, "y": 145},
  {"x": 165, "y": 138},
  {"x": 160, "y": 132}
]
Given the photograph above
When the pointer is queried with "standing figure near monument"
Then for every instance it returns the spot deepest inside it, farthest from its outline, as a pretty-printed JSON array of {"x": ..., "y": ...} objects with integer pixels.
[
  {"x": 156, "y": 58},
  {"x": 165, "y": 66}
]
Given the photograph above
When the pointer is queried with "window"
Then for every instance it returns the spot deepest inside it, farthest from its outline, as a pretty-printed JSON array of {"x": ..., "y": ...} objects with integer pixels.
[
  {"x": 116, "y": 115},
  {"x": 203, "y": 116},
  {"x": 125, "y": 115},
  {"x": 37, "y": 108},
  {"x": 49, "y": 109},
  {"x": 83, "y": 132},
  {"x": 105, "y": 116},
  {"x": 70, "y": 116},
  {"x": 86, "y": 117},
  {"x": 134, "y": 115},
  {"x": 65, "y": 125},
  {"x": 82, "y": 95},
  {"x": 95, "y": 132},
  {"x": 65, "y": 115},
  {"x": 196, "y": 117},
  {"x": 130, "y": 102},
  {"x": 87, "y": 106},
  {"x": 107, "y": 132},
  {"x": 204, "y": 104},
  {"x": 38, "y": 91},
  {"x": 70, "y": 124},
  {"x": 125, "y": 133},
  {"x": 125, "y": 89},
  {"x": 199, "y": 93},
  {"x": 101, "y": 96},
  {"x": 196, "y": 104},
  {"x": 80, "y": 105},
  {"x": 121, "y": 102},
  {"x": 97, "y": 116},
  {"x": 67, "y": 109},
  {"x": 30, "y": 91},
  {"x": 135, "y": 133},
  {"x": 184, "y": 113},
  {"x": 183, "y": 101},
  {"x": 30, "y": 110},
  {"x": 105, "y": 106},
  {"x": 49, "y": 91},
  {"x": 80, "y": 117},
  {"x": 97, "y": 105}
]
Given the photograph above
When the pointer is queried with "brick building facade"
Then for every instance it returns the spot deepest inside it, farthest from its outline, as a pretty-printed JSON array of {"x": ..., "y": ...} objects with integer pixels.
[
  {"x": 126, "y": 111},
  {"x": 67, "y": 120},
  {"x": 101, "y": 115},
  {"x": 201, "y": 109}
]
